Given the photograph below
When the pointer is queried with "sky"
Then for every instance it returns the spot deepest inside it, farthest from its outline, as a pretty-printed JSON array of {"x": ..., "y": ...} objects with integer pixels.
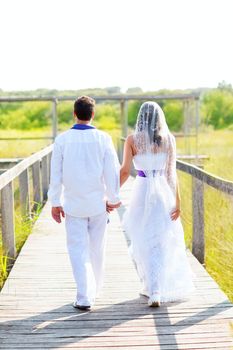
[{"x": 153, "y": 44}]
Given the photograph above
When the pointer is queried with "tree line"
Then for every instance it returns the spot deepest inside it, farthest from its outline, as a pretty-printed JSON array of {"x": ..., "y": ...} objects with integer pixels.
[{"x": 216, "y": 108}]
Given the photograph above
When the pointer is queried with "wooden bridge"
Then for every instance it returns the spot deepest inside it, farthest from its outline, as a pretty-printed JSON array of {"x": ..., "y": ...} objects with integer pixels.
[{"x": 35, "y": 302}]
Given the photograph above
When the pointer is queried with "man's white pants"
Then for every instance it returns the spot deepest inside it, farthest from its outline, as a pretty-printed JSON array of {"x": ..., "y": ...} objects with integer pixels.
[{"x": 86, "y": 242}]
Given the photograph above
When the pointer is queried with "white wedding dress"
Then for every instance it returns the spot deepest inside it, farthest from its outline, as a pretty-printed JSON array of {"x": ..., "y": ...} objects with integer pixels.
[{"x": 157, "y": 243}]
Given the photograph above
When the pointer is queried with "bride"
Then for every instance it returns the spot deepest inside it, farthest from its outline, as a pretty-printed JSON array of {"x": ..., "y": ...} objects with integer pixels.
[{"x": 152, "y": 220}]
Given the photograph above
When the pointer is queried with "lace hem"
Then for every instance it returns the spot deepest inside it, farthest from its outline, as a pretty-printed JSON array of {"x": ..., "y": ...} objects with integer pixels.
[
  {"x": 177, "y": 295},
  {"x": 173, "y": 296}
]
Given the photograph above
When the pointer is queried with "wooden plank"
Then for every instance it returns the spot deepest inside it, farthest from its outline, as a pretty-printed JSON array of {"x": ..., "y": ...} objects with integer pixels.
[
  {"x": 45, "y": 177},
  {"x": 124, "y": 118},
  {"x": 7, "y": 219},
  {"x": 10, "y": 160},
  {"x": 103, "y": 98},
  {"x": 26, "y": 138},
  {"x": 54, "y": 118},
  {"x": 36, "y": 310},
  {"x": 36, "y": 180},
  {"x": 24, "y": 194},
  {"x": 192, "y": 156},
  {"x": 161, "y": 339},
  {"x": 198, "y": 239}
]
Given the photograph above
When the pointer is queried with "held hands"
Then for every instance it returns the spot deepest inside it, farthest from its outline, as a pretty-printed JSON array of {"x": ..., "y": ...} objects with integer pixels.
[
  {"x": 111, "y": 207},
  {"x": 57, "y": 213}
]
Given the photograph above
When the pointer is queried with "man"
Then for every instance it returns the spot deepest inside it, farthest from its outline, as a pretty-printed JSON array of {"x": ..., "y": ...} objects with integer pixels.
[{"x": 85, "y": 164}]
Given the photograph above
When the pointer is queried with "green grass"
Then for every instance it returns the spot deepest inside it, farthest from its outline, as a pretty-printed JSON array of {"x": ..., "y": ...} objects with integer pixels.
[
  {"x": 218, "y": 145},
  {"x": 23, "y": 148}
]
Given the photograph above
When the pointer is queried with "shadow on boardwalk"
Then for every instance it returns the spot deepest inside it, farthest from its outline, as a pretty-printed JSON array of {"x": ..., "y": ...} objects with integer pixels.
[
  {"x": 65, "y": 326},
  {"x": 35, "y": 313}
]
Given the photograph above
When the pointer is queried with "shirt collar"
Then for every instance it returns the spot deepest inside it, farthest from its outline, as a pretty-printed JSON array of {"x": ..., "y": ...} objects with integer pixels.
[{"x": 82, "y": 126}]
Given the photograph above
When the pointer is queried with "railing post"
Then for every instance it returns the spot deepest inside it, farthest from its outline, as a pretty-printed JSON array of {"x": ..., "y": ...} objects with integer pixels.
[
  {"x": 54, "y": 118},
  {"x": 36, "y": 180},
  {"x": 45, "y": 177},
  {"x": 120, "y": 150},
  {"x": 124, "y": 118},
  {"x": 24, "y": 194},
  {"x": 196, "y": 125},
  {"x": 198, "y": 241},
  {"x": 8, "y": 230}
]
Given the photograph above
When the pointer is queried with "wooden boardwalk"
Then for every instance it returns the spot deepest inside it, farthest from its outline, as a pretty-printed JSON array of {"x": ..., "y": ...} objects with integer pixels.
[{"x": 36, "y": 311}]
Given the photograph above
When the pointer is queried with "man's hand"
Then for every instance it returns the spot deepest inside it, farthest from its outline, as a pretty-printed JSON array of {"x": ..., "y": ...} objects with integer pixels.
[
  {"x": 57, "y": 213},
  {"x": 111, "y": 207}
]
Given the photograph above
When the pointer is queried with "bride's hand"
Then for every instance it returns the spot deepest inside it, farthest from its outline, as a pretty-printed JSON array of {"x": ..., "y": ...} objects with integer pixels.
[{"x": 175, "y": 213}]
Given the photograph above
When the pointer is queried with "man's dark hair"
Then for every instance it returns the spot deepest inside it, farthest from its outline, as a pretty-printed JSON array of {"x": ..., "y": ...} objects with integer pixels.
[{"x": 84, "y": 107}]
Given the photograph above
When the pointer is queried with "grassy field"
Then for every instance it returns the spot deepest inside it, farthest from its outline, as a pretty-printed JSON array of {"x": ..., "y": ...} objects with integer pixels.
[
  {"x": 23, "y": 148},
  {"x": 218, "y": 145}
]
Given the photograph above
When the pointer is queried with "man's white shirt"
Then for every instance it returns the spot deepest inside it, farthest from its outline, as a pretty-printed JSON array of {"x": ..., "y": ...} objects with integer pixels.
[{"x": 84, "y": 172}]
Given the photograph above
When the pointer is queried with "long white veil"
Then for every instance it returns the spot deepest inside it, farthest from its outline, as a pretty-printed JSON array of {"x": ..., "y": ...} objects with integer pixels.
[
  {"x": 156, "y": 241},
  {"x": 151, "y": 136}
]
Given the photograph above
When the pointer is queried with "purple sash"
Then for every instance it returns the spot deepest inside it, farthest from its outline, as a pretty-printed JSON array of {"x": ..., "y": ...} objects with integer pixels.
[
  {"x": 141, "y": 173},
  {"x": 154, "y": 172}
]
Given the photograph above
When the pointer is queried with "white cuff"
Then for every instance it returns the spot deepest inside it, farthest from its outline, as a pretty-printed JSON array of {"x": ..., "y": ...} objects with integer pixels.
[
  {"x": 55, "y": 203},
  {"x": 114, "y": 200}
]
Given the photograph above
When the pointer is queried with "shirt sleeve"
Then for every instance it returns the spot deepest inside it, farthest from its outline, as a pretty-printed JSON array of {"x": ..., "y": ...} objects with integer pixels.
[
  {"x": 55, "y": 186},
  {"x": 111, "y": 173}
]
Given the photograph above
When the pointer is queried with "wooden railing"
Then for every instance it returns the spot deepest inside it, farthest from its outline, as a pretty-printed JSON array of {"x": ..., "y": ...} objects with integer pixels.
[
  {"x": 199, "y": 178},
  {"x": 122, "y": 99},
  {"x": 39, "y": 164}
]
